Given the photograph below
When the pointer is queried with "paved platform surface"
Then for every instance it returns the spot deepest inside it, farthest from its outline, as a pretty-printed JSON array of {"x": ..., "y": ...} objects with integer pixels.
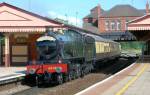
[
  {"x": 134, "y": 80},
  {"x": 11, "y": 72}
]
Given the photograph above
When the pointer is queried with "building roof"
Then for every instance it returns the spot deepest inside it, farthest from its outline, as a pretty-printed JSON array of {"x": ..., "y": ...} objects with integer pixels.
[
  {"x": 140, "y": 27},
  {"x": 95, "y": 14},
  {"x": 139, "y": 24},
  {"x": 14, "y": 19},
  {"x": 90, "y": 27},
  {"x": 27, "y": 12},
  {"x": 143, "y": 11},
  {"x": 119, "y": 10},
  {"x": 124, "y": 11}
]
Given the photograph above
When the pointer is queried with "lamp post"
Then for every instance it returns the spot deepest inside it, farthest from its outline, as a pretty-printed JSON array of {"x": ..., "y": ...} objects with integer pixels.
[
  {"x": 76, "y": 18},
  {"x": 1, "y": 53}
]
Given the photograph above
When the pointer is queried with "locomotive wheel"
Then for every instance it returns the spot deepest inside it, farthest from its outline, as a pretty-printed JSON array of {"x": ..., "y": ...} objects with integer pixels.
[
  {"x": 82, "y": 73},
  {"x": 37, "y": 81},
  {"x": 59, "y": 78},
  {"x": 74, "y": 75},
  {"x": 69, "y": 77},
  {"x": 78, "y": 73}
]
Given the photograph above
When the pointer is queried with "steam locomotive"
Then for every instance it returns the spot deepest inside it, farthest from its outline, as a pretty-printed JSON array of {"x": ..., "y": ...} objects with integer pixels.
[{"x": 69, "y": 54}]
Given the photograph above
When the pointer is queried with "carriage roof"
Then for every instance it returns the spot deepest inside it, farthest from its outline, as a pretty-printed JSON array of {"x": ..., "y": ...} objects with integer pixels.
[{"x": 96, "y": 37}]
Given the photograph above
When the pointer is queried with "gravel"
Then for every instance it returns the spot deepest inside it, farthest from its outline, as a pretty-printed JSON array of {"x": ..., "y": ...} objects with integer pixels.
[
  {"x": 13, "y": 89},
  {"x": 68, "y": 88}
]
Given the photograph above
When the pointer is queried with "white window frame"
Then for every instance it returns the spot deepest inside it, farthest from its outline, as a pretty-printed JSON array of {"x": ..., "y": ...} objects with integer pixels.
[
  {"x": 107, "y": 27},
  {"x": 118, "y": 25},
  {"x": 113, "y": 24}
]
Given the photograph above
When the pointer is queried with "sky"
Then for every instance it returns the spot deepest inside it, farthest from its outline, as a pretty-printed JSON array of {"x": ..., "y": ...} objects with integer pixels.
[{"x": 72, "y": 10}]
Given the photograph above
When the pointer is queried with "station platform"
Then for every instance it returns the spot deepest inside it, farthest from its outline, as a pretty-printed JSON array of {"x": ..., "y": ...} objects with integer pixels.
[
  {"x": 133, "y": 80},
  {"x": 9, "y": 74}
]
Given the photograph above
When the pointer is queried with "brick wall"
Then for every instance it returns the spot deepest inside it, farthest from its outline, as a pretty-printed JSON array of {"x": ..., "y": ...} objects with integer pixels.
[{"x": 123, "y": 20}]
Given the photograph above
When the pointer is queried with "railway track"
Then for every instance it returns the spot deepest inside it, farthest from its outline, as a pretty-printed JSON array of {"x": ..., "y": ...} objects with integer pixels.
[{"x": 73, "y": 86}]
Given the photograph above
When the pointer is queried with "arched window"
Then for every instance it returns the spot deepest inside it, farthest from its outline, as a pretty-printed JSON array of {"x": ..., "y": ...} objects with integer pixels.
[
  {"x": 106, "y": 25},
  {"x": 118, "y": 25},
  {"x": 113, "y": 25}
]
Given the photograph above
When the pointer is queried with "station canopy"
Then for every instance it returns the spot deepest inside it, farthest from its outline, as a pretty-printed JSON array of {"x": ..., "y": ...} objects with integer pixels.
[
  {"x": 118, "y": 36},
  {"x": 14, "y": 19},
  {"x": 140, "y": 27}
]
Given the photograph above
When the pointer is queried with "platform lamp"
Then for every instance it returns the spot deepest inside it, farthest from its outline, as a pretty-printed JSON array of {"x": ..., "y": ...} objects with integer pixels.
[
  {"x": 1, "y": 43},
  {"x": 144, "y": 48}
]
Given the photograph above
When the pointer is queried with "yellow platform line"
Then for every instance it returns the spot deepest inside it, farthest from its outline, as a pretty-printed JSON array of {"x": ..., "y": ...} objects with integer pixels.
[{"x": 130, "y": 82}]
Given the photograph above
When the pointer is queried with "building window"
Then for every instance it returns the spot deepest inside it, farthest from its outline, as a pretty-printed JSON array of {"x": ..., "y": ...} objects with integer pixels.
[
  {"x": 90, "y": 20},
  {"x": 127, "y": 20},
  {"x": 113, "y": 25},
  {"x": 106, "y": 25},
  {"x": 118, "y": 25}
]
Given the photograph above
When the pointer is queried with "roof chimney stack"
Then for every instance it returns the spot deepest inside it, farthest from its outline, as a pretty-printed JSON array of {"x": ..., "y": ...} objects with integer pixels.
[
  {"x": 147, "y": 8},
  {"x": 99, "y": 10}
]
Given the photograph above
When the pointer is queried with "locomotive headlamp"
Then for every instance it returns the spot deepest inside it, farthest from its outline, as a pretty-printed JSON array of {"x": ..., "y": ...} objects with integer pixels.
[
  {"x": 32, "y": 71},
  {"x": 58, "y": 69},
  {"x": 59, "y": 61}
]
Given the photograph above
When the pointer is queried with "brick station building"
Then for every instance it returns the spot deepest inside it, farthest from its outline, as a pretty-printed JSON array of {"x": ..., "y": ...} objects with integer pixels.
[
  {"x": 113, "y": 20},
  {"x": 110, "y": 23}
]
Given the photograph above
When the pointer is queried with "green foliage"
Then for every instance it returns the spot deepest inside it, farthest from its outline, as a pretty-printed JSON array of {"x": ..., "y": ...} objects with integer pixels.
[
  {"x": 2, "y": 40},
  {"x": 134, "y": 46}
]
